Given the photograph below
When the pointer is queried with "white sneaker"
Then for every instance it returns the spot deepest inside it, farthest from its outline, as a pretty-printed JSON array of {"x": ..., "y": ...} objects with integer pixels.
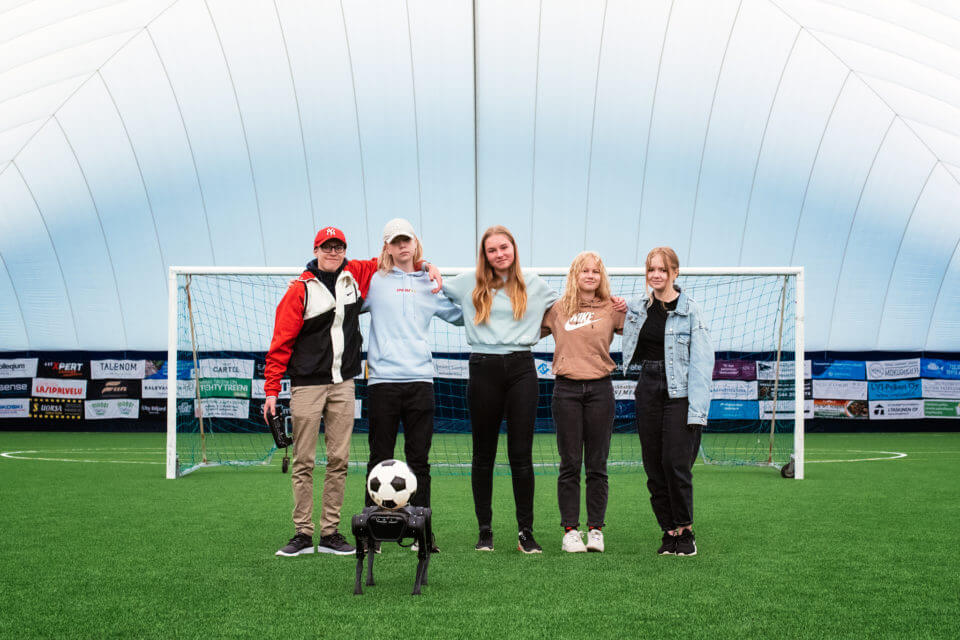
[
  {"x": 572, "y": 542},
  {"x": 595, "y": 540}
]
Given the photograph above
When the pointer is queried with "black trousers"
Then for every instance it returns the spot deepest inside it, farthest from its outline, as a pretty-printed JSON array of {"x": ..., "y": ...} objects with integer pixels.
[
  {"x": 668, "y": 447},
  {"x": 503, "y": 386},
  {"x": 583, "y": 412},
  {"x": 389, "y": 404}
]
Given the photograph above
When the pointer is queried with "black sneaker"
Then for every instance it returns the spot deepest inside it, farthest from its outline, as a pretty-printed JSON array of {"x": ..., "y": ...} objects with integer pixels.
[
  {"x": 335, "y": 544},
  {"x": 485, "y": 542},
  {"x": 669, "y": 546},
  {"x": 686, "y": 544},
  {"x": 299, "y": 545},
  {"x": 526, "y": 543}
]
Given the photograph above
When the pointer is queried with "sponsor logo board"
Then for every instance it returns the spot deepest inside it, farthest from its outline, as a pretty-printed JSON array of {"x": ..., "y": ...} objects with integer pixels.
[
  {"x": 733, "y": 410},
  {"x": 224, "y": 388},
  {"x": 941, "y": 409},
  {"x": 52, "y": 388},
  {"x": 117, "y": 369},
  {"x": 840, "y": 389},
  {"x": 733, "y": 390},
  {"x": 450, "y": 368},
  {"x": 940, "y": 388},
  {"x": 839, "y": 369},
  {"x": 256, "y": 410},
  {"x": 158, "y": 389},
  {"x": 937, "y": 368},
  {"x": 153, "y": 408},
  {"x": 62, "y": 369},
  {"x": 544, "y": 369},
  {"x": 896, "y": 409},
  {"x": 157, "y": 369},
  {"x": 785, "y": 409},
  {"x": 105, "y": 409},
  {"x": 893, "y": 369},
  {"x": 226, "y": 368},
  {"x": 225, "y": 408},
  {"x": 894, "y": 389},
  {"x": 16, "y": 388},
  {"x": 56, "y": 408},
  {"x": 766, "y": 369},
  {"x": 185, "y": 408},
  {"x": 857, "y": 409},
  {"x": 113, "y": 389},
  {"x": 734, "y": 370},
  {"x": 785, "y": 389},
  {"x": 258, "y": 392},
  {"x": 18, "y": 368},
  {"x": 15, "y": 408},
  {"x": 624, "y": 389}
]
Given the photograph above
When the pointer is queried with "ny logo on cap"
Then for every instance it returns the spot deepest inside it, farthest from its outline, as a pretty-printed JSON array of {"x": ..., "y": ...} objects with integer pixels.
[{"x": 331, "y": 231}]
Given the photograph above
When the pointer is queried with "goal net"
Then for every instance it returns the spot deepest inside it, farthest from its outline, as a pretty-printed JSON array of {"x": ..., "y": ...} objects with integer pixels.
[{"x": 221, "y": 323}]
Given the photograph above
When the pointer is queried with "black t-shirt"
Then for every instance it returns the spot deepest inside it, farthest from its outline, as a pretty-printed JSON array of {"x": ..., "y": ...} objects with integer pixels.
[{"x": 650, "y": 341}]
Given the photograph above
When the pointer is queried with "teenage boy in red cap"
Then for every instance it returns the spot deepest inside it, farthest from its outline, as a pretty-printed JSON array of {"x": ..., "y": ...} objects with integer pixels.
[{"x": 316, "y": 341}]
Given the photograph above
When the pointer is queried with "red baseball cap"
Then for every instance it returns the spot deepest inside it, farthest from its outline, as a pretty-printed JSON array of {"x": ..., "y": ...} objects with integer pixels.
[{"x": 329, "y": 233}]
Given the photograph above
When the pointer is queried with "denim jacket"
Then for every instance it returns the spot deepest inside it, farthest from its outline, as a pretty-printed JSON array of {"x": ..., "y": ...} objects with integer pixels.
[{"x": 688, "y": 353}]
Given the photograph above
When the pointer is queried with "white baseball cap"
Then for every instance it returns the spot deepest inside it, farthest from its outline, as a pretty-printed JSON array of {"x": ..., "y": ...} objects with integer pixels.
[{"x": 397, "y": 227}]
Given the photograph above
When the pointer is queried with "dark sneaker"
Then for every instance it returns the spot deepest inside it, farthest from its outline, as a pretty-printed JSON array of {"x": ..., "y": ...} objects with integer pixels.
[
  {"x": 686, "y": 544},
  {"x": 335, "y": 544},
  {"x": 526, "y": 543},
  {"x": 669, "y": 546},
  {"x": 299, "y": 545},
  {"x": 485, "y": 542}
]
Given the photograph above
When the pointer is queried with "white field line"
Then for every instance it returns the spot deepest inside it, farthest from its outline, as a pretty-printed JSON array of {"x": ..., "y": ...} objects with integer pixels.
[
  {"x": 17, "y": 455},
  {"x": 889, "y": 455}
]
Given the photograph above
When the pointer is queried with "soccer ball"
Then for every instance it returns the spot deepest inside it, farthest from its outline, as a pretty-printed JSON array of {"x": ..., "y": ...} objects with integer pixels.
[{"x": 391, "y": 484}]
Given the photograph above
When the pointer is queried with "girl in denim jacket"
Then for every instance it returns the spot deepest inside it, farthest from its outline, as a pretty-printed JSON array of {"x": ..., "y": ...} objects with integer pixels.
[{"x": 666, "y": 345}]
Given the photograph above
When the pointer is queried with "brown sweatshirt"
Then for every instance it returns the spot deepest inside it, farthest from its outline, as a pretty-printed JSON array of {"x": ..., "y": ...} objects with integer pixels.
[{"x": 583, "y": 340}]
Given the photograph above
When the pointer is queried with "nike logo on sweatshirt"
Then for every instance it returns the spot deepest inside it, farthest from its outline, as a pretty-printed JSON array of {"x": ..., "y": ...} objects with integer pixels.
[{"x": 579, "y": 320}]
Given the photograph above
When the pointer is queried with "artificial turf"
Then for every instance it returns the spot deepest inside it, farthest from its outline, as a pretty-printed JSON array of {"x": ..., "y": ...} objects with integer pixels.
[{"x": 108, "y": 547}]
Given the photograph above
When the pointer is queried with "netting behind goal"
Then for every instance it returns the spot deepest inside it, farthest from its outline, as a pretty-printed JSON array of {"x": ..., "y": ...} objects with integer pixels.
[{"x": 224, "y": 322}]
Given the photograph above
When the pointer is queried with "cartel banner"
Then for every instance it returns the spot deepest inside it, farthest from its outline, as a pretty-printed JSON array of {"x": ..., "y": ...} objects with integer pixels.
[
  {"x": 18, "y": 368},
  {"x": 733, "y": 410},
  {"x": 894, "y": 389},
  {"x": 766, "y": 369},
  {"x": 785, "y": 389},
  {"x": 937, "y": 388},
  {"x": 113, "y": 389},
  {"x": 16, "y": 388},
  {"x": 733, "y": 390},
  {"x": 544, "y": 369},
  {"x": 450, "y": 368},
  {"x": 855, "y": 409},
  {"x": 62, "y": 369},
  {"x": 734, "y": 370},
  {"x": 15, "y": 408},
  {"x": 938, "y": 409},
  {"x": 893, "y": 369},
  {"x": 225, "y": 388},
  {"x": 226, "y": 368},
  {"x": 624, "y": 389},
  {"x": 158, "y": 389},
  {"x": 258, "y": 392},
  {"x": 839, "y": 369},
  {"x": 112, "y": 408},
  {"x": 936, "y": 368},
  {"x": 840, "y": 389},
  {"x": 49, "y": 388},
  {"x": 785, "y": 409},
  {"x": 896, "y": 409},
  {"x": 117, "y": 369},
  {"x": 225, "y": 408},
  {"x": 56, "y": 408}
]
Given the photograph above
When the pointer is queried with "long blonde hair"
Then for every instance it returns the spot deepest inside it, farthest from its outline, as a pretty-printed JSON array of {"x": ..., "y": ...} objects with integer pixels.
[
  {"x": 385, "y": 263},
  {"x": 488, "y": 279},
  {"x": 670, "y": 261},
  {"x": 571, "y": 293}
]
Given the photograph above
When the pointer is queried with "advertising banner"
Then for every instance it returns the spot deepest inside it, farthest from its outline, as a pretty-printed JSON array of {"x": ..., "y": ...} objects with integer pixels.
[
  {"x": 15, "y": 408},
  {"x": 785, "y": 389},
  {"x": 50, "y": 388},
  {"x": 185, "y": 409},
  {"x": 934, "y": 408},
  {"x": 896, "y": 409},
  {"x": 893, "y": 369},
  {"x": 733, "y": 390},
  {"x": 113, "y": 389},
  {"x": 733, "y": 410},
  {"x": 16, "y": 387},
  {"x": 450, "y": 368},
  {"x": 784, "y": 409},
  {"x": 894, "y": 389},
  {"x": 56, "y": 408},
  {"x": 856, "y": 409},
  {"x": 225, "y": 408},
  {"x": 158, "y": 389},
  {"x": 117, "y": 369},
  {"x": 734, "y": 370},
  {"x": 544, "y": 369},
  {"x": 153, "y": 409},
  {"x": 111, "y": 408},
  {"x": 766, "y": 369},
  {"x": 226, "y": 368},
  {"x": 18, "y": 368},
  {"x": 840, "y": 389},
  {"x": 258, "y": 392},
  {"x": 224, "y": 388},
  {"x": 936, "y": 368},
  {"x": 157, "y": 369},
  {"x": 62, "y": 369},
  {"x": 256, "y": 411},
  {"x": 839, "y": 369},
  {"x": 624, "y": 389},
  {"x": 934, "y": 388}
]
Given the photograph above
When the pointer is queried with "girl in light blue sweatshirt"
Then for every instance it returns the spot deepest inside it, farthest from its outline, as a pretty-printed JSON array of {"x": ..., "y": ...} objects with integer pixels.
[{"x": 399, "y": 361}]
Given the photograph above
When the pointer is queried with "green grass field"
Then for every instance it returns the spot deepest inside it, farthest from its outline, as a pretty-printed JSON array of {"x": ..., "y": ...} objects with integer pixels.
[{"x": 98, "y": 543}]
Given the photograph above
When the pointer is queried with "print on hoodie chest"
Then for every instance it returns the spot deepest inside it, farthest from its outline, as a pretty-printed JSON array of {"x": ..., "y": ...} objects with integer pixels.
[{"x": 580, "y": 320}]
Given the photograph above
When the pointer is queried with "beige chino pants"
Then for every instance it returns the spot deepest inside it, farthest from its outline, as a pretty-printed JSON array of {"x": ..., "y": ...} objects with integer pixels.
[{"x": 308, "y": 404}]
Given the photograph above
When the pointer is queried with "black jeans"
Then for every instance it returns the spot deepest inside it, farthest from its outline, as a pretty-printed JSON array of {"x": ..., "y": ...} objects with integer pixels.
[
  {"x": 583, "y": 412},
  {"x": 389, "y": 404},
  {"x": 668, "y": 447},
  {"x": 503, "y": 385}
]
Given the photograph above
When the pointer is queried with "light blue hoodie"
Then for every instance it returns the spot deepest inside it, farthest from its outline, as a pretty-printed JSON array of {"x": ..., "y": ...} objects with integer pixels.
[{"x": 401, "y": 307}]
